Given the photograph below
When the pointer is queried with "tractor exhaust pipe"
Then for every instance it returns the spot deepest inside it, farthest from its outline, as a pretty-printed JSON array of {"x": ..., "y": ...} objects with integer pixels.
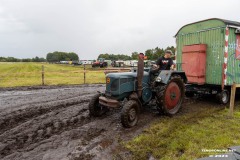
[{"x": 140, "y": 70}]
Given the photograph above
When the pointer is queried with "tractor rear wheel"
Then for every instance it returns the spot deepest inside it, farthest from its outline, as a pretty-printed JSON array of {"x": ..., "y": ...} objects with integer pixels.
[
  {"x": 96, "y": 109},
  {"x": 130, "y": 114},
  {"x": 173, "y": 96}
]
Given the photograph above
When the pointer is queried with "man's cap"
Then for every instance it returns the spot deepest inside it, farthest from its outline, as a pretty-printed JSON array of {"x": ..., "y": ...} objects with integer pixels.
[{"x": 168, "y": 51}]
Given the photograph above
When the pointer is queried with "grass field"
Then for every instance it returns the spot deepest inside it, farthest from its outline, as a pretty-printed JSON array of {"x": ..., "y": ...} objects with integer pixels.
[
  {"x": 30, "y": 74},
  {"x": 185, "y": 136}
]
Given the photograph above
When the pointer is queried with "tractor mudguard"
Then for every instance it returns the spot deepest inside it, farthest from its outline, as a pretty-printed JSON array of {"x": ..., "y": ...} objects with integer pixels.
[{"x": 166, "y": 75}]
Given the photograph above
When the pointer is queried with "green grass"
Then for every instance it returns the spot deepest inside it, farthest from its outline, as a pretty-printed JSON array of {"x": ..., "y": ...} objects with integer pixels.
[
  {"x": 184, "y": 136},
  {"x": 29, "y": 74}
]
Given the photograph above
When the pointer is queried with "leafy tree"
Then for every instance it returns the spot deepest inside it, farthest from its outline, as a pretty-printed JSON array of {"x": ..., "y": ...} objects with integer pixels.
[
  {"x": 27, "y": 60},
  {"x": 37, "y": 59},
  {"x": 61, "y": 56},
  {"x": 152, "y": 54},
  {"x": 105, "y": 56},
  {"x": 149, "y": 53},
  {"x": 42, "y": 59},
  {"x": 134, "y": 55},
  {"x": 172, "y": 48},
  {"x": 12, "y": 59},
  {"x": 3, "y": 59},
  {"x": 8, "y": 59},
  {"x": 49, "y": 57},
  {"x": 114, "y": 56},
  {"x": 73, "y": 56}
]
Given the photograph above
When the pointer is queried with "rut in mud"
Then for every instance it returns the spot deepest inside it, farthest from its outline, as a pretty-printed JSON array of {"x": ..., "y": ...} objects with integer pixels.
[
  {"x": 54, "y": 123},
  {"x": 27, "y": 118}
]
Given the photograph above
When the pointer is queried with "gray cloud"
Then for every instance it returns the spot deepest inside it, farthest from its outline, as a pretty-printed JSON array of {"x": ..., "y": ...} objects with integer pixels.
[{"x": 31, "y": 28}]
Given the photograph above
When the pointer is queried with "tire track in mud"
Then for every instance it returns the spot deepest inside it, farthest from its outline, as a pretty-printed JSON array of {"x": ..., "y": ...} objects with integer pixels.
[
  {"x": 107, "y": 144},
  {"x": 74, "y": 119},
  {"x": 54, "y": 122},
  {"x": 43, "y": 127},
  {"x": 20, "y": 116},
  {"x": 28, "y": 100},
  {"x": 63, "y": 130},
  {"x": 28, "y": 127},
  {"x": 103, "y": 145},
  {"x": 29, "y": 104}
]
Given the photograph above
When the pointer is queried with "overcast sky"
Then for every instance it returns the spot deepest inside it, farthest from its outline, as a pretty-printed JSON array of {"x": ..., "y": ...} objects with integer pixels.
[{"x": 30, "y": 28}]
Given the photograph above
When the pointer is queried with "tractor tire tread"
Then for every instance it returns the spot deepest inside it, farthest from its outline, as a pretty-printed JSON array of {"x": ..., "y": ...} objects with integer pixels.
[
  {"x": 91, "y": 106},
  {"x": 174, "y": 78},
  {"x": 125, "y": 111}
]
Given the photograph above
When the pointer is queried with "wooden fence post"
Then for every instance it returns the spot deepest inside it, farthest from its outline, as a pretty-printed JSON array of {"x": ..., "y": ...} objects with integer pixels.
[
  {"x": 232, "y": 98},
  {"x": 42, "y": 74},
  {"x": 84, "y": 76}
]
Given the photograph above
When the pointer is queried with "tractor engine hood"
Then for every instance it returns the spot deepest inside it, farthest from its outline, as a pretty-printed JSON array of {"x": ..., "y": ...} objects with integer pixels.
[
  {"x": 124, "y": 74},
  {"x": 119, "y": 83}
]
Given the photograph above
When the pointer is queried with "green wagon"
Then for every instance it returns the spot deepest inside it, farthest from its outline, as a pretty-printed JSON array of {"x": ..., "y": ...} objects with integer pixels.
[{"x": 209, "y": 53}]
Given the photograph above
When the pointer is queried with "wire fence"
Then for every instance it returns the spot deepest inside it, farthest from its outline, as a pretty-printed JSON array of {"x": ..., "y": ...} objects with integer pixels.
[{"x": 46, "y": 75}]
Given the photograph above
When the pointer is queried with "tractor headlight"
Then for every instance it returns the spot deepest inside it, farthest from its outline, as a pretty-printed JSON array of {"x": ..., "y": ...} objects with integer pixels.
[
  {"x": 108, "y": 80},
  {"x": 158, "y": 79}
]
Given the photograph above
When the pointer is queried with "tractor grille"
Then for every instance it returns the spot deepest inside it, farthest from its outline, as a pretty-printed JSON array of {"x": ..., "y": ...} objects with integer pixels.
[
  {"x": 108, "y": 94},
  {"x": 114, "y": 85},
  {"x": 117, "y": 82}
]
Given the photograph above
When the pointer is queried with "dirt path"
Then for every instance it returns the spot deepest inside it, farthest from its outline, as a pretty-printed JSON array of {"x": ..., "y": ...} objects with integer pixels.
[{"x": 53, "y": 123}]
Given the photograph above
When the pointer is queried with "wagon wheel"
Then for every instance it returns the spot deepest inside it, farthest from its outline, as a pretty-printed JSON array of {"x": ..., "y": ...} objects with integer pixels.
[
  {"x": 173, "y": 96},
  {"x": 223, "y": 97}
]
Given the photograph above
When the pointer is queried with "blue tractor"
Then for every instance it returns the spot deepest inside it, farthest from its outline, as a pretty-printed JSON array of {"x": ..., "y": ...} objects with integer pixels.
[{"x": 131, "y": 91}]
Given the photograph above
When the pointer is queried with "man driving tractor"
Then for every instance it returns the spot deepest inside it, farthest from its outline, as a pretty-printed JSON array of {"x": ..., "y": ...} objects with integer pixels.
[
  {"x": 131, "y": 91},
  {"x": 163, "y": 63}
]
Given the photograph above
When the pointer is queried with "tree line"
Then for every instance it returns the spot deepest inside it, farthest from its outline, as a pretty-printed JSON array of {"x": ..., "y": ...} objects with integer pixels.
[
  {"x": 62, "y": 56},
  {"x": 114, "y": 57},
  {"x": 51, "y": 57},
  {"x": 152, "y": 54},
  {"x": 13, "y": 59}
]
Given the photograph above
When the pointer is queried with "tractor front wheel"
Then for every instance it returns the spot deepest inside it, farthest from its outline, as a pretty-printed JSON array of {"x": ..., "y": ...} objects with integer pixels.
[
  {"x": 96, "y": 109},
  {"x": 130, "y": 114}
]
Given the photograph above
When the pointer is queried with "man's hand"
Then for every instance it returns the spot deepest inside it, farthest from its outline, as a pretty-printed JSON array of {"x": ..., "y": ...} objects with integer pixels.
[
  {"x": 154, "y": 66},
  {"x": 172, "y": 67}
]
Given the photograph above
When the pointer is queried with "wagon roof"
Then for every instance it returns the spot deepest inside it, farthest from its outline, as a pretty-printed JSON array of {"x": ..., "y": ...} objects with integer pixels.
[{"x": 226, "y": 22}]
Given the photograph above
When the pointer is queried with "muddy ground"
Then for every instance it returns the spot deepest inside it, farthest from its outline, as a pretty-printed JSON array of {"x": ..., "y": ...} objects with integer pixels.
[{"x": 53, "y": 123}]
